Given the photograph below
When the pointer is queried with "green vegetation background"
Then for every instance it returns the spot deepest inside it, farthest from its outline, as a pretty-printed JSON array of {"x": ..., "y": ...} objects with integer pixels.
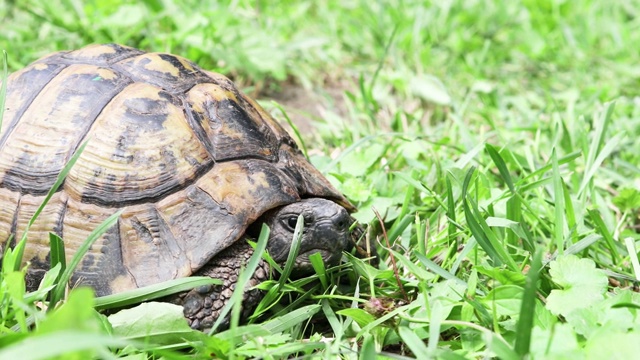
[{"x": 498, "y": 141}]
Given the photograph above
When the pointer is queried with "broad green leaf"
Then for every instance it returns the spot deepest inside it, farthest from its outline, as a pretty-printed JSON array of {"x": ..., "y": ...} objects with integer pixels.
[
  {"x": 155, "y": 322},
  {"x": 68, "y": 344},
  {"x": 360, "y": 316},
  {"x": 582, "y": 284},
  {"x": 506, "y": 300},
  {"x": 613, "y": 345},
  {"x": 15, "y": 289},
  {"x": 627, "y": 199},
  {"x": 76, "y": 314},
  {"x": 431, "y": 89},
  {"x": 558, "y": 343}
]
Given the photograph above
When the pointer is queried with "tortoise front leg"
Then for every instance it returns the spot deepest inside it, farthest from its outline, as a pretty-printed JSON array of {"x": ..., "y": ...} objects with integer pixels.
[{"x": 202, "y": 305}]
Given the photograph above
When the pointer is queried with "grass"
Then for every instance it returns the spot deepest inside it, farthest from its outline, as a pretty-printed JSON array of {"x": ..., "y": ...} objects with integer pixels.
[{"x": 490, "y": 146}]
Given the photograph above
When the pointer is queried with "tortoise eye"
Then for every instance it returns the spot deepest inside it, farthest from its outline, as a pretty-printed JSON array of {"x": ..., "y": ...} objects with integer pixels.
[{"x": 291, "y": 222}]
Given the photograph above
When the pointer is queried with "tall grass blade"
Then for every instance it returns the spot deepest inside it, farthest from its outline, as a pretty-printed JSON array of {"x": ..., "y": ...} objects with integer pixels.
[
  {"x": 451, "y": 211},
  {"x": 368, "y": 348},
  {"x": 19, "y": 249},
  {"x": 58, "y": 292},
  {"x": 288, "y": 320},
  {"x": 293, "y": 252},
  {"x": 151, "y": 292},
  {"x": 294, "y": 127},
  {"x": 590, "y": 172},
  {"x": 243, "y": 280},
  {"x": 414, "y": 343},
  {"x": 524, "y": 328},
  {"x": 57, "y": 254},
  {"x": 501, "y": 165},
  {"x": 558, "y": 197},
  {"x": 596, "y": 218},
  {"x": 597, "y": 141}
]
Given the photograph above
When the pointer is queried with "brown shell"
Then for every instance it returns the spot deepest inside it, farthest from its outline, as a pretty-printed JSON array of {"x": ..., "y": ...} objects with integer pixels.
[{"x": 190, "y": 159}]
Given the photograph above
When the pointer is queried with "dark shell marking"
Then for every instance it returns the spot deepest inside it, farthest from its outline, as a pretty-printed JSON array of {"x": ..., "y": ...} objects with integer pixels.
[{"x": 189, "y": 158}]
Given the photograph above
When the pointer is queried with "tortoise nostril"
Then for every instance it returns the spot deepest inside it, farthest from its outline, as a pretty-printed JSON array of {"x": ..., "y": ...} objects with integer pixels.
[{"x": 342, "y": 221}]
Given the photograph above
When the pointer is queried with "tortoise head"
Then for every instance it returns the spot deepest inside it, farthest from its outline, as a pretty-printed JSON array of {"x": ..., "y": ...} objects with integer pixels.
[{"x": 326, "y": 230}]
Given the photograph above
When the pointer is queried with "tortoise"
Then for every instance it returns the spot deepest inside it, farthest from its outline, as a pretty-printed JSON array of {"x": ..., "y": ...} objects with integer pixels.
[{"x": 193, "y": 164}]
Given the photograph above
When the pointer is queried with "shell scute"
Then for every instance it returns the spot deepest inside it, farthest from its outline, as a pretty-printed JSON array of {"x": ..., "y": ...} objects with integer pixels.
[
  {"x": 51, "y": 128},
  {"x": 231, "y": 131}
]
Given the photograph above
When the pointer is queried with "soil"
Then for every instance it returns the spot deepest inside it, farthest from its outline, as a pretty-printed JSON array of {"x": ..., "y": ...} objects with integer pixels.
[{"x": 306, "y": 107}]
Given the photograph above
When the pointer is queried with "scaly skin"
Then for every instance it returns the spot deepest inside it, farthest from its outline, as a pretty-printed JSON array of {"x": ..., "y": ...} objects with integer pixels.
[{"x": 203, "y": 304}]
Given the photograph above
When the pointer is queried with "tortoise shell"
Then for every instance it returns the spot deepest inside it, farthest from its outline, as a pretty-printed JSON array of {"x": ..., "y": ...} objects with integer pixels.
[{"x": 190, "y": 160}]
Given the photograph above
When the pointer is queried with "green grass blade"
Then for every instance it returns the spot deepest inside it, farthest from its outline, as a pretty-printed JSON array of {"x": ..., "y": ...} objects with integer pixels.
[
  {"x": 351, "y": 148},
  {"x": 293, "y": 252},
  {"x": 420, "y": 187},
  {"x": 473, "y": 223},
  {"x": 438, "y": 270},
  {"x": 368, "y": 348},
  {"x": 570, "y": 212},
  {"x": 243, "y": 280},
  {"x": 399, "y": 227},
  {"x": 501, "y": 165},
  {"x": 538, "y": 172},
  {"x": 596, "y": 143},
  {"x": 558, "y": 197},
  {"x": 590, "y": 172},
  {"x": 153, "y": 292},
  {"x": 290, "y": 319},
  {"x": 485, "y": 237},
  {"x": 58, "y": 292},
  {"x": 451, "y": 210},
  {"x": 56, "y": 253},
  {"x": 294, "y": 127},
  {"x": 502, "y": 350},
  {"x": 318, "y": 266},
  {"x": 514, "y": 213},
  {"x": 19, "y": 249},
  {"x": 596, "y": 218},
  {"x": 633, "y": 251},
  {"x": 524, "y": 327},
  {"x": 414, "y": 343},
  {"x": 582, "y": 244},
  {"x": 332, "y": 318}
]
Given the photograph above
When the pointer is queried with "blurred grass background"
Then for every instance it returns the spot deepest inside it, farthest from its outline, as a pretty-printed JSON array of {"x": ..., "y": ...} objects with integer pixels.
[{"x": 397, "y": 100}]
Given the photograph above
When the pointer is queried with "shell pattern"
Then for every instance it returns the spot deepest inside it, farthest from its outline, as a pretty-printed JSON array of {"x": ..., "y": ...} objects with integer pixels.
[{"x": 190, "y": 160}]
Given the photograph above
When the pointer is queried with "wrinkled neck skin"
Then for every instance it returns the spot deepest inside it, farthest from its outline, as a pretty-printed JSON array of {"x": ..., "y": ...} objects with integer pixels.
[{"x": 326, "y": 231}]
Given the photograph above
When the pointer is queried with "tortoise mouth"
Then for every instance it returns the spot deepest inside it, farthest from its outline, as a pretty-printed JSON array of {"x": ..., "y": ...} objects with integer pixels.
[{"x": 329, "y": 257}]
